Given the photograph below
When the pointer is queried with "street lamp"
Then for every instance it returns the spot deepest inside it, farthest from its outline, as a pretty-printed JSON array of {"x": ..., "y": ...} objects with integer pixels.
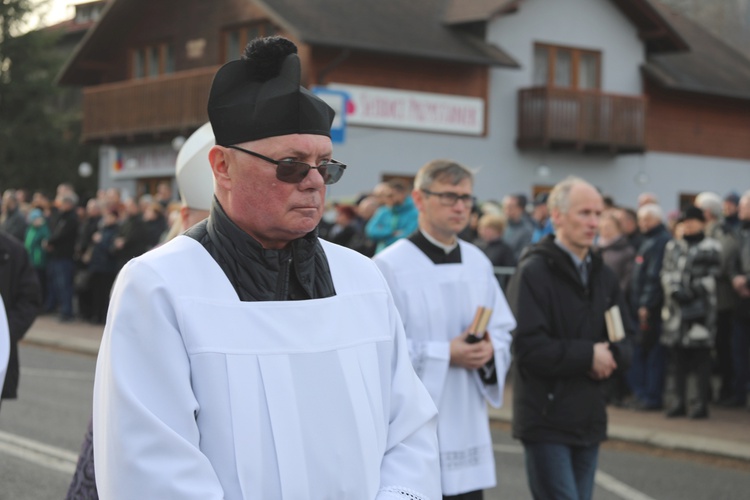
[{"x": 85, "y": 169}]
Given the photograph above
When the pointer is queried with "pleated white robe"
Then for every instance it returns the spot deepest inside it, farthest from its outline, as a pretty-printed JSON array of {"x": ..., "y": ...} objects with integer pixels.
[
  {"x": 437, "y": 303},
  {"x": 201, "y": 396}
]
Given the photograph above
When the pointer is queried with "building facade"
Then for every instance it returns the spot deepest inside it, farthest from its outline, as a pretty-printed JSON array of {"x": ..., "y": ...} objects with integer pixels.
[{"x": 626, "y": 94}]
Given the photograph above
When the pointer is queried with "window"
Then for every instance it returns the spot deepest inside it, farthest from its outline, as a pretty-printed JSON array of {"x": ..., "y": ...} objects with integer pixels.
[
  {"x": 235, "y": 39},
  {"x": 152, "y": 60},
  {"x": 566, "y": 67}
]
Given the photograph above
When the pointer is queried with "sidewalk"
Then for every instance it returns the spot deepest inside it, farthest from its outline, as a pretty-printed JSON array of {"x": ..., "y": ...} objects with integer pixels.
[{"x": 726, "y": 433}]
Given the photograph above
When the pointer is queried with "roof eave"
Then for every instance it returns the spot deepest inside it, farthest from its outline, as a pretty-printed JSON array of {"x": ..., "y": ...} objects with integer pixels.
[
  {"x": 65, "y": 76},
  {"x": 655, "y": 74}
]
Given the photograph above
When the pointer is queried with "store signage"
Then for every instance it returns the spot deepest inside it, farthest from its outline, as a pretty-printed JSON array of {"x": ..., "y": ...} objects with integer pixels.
[{"x": 380, "y": 107}]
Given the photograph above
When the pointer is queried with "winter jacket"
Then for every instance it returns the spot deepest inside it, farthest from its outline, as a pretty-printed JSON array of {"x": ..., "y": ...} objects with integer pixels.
[
  {"x": 688, "y": 277},
  {"x": 559, "y": 321},
  {"x": 63, "y": 235},
  {"x": 35, "y": 235},
  {"x": 389, "y": 224},
  {"x": 645, "y": 283},
  {"x": 740, "y": 265},
  {"x": 102, "y": 253},
  {"x": 22, "y": 296},
  {"x": 297, "y": 272},
  {"x": 619, "y": 255}
]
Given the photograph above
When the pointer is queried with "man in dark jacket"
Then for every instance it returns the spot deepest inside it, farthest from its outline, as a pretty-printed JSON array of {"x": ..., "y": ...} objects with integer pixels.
[
  {"x": 21, "y": 295},
  {"x": 559, "y": 295},
  {"x": 740, "y": 272},
  {"x": 61, "y": 250},
  {"x": 646, "y": 376}
]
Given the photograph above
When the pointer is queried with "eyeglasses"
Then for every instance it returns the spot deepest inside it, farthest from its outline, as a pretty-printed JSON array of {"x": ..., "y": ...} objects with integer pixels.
[
  {"x": 450, "y": 199},
  {"x": 294, "y": 171}
]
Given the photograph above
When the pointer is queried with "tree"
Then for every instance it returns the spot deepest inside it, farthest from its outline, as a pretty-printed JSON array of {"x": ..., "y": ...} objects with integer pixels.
[{"x": 39, "y": 138}]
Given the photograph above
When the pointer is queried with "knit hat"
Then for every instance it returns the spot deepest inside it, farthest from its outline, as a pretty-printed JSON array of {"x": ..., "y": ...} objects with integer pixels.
[
  {"x": 35, "y": 214},
  {"x": 260, "y": 96},
  {"x": 733, "y": 197}
]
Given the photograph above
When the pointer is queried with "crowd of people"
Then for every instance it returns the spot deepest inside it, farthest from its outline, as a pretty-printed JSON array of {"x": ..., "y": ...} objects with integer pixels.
[
  {"x": 674, "y": 269},
  {"x": 683, "y": 275},
  {"x": 77, "y": 247},
  {"x": 247, "y": 357}
]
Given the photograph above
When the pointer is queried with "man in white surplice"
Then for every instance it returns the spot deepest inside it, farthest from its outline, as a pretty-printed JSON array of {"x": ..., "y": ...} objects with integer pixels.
[
  {"x": 247, "y": 359},
  {"x": 438, "y": 281}
]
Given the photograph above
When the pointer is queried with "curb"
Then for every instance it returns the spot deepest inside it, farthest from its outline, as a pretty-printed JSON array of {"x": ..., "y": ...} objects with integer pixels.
[
  {"x": 658, "y": 439},
  {"x": 52, "y": 339}
]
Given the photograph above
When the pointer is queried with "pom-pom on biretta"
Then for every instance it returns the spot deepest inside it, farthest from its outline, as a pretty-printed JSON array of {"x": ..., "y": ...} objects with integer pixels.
[
  {"x": 265, "y": 56},
  {"x": 260, "y": 96}
]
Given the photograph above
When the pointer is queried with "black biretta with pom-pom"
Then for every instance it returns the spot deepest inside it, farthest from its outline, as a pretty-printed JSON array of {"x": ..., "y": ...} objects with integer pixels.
[{"x": 260, "y": 96}]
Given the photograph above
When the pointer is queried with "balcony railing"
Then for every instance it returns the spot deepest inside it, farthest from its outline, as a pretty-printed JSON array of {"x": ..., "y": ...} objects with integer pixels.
[
  {"x": 553, "y": 118},
  {"x": 169, "y": 103}
]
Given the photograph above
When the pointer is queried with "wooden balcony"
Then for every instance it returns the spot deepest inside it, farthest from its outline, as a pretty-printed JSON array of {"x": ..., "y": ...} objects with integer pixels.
[
  {"x": 555, "y": 118},
  {"x": 150, "y": 106}
]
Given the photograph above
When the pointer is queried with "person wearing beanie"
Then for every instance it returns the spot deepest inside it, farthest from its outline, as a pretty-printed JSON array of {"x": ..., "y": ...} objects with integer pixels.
[
  {"x": 689, "y": 272},
  {"x": 730, "y": 208},
  {"x": 247, "y": 358}
]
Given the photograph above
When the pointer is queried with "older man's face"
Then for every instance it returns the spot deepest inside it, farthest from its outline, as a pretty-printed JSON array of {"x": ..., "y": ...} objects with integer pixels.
[
  {"x": 271, "y": 211},
  {"x": 577, "y": 227}
]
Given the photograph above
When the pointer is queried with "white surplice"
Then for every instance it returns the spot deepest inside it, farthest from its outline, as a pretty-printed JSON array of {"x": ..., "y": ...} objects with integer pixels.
[
  {"x": 437, "y": 303},
  {"x": 201, "y": 396},
  {"x": 4, "y": 344}
]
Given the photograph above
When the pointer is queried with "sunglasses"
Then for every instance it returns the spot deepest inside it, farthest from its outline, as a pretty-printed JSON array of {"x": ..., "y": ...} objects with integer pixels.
[{"x": 294, "y": 171}]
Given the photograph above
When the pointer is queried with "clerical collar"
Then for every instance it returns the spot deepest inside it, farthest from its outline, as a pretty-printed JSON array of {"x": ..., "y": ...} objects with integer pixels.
[
  {"x": 446, "y": 248},
  {"x": 437, "y": 252}
]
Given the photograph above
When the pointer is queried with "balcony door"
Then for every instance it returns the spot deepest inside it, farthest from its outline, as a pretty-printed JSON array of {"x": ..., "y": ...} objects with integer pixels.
[
  {"x": 572, "y": 77},
  {"x": 566, "y": 67}
]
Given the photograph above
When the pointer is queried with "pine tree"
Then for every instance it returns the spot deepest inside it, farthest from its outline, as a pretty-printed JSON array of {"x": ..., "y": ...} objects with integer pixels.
[{"x": 39, "y": 138}]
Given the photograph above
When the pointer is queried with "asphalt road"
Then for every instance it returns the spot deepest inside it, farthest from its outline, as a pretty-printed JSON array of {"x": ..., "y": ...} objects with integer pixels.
[{"x": 41, "y": 434}]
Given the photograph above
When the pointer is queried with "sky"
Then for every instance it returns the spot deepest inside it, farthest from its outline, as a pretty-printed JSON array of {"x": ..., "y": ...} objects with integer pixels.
[{"x": 59, "y": 10}]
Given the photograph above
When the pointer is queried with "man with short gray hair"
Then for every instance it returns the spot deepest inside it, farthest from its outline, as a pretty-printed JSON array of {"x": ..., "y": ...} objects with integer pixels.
[
  {"x": 712, "y": 207},
  {"x": 646, "y": 376},
  {"x": 559, "y": 295}
]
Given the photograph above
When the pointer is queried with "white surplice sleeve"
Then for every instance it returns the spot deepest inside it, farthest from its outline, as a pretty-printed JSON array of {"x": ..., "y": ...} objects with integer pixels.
[
  {"x": 411, "y": 464},
  {"x": 147, "y": 439},
  {"x": 4, "y": 344},
  {"x": 501, "y": 324}
]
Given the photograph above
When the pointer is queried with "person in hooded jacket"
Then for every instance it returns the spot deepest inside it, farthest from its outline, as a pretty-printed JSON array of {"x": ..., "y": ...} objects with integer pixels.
[{"x": 559, "y": 296}]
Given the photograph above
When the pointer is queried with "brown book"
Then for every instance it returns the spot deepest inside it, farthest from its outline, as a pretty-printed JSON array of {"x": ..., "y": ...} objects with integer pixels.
[
  {"x": 484, "y": 321},
  {"x": 615, "y": 328},
  {"x": 475, "y": 322}
]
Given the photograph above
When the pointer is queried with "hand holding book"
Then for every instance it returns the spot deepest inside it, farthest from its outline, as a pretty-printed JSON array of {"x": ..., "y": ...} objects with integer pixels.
[{"x": 477, "y": 333}]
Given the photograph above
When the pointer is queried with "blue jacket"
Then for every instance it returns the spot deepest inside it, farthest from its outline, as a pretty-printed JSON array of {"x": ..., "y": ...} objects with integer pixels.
[{"x": 389, "y": 224}]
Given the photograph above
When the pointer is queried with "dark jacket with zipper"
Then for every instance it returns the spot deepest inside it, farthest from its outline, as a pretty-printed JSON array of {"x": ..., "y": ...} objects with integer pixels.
[
  {"x": 297, "y": 272},
  {"x": 559, "y": 321}
]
